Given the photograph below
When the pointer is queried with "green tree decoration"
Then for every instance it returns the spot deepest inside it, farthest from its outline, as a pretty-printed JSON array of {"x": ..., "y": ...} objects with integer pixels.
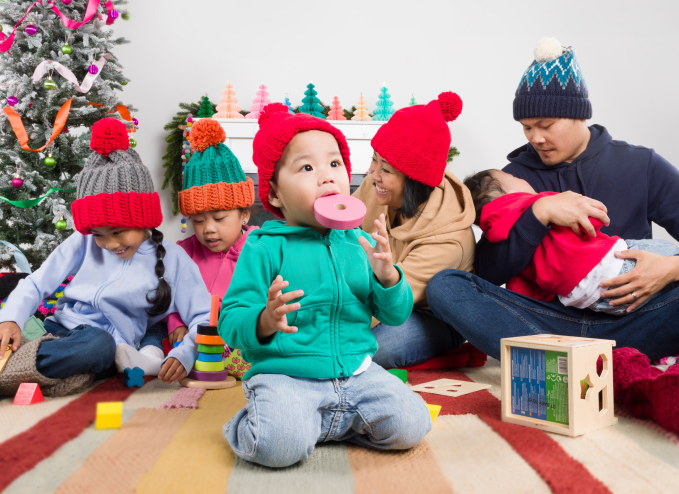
[
  {"x": 207, "y": 109},
  {"x": 384, "y": 105},
  {"x": 311, "y": 104},
  {"x": 412, "y": 101},
  {"x": 452, "y": 154}
]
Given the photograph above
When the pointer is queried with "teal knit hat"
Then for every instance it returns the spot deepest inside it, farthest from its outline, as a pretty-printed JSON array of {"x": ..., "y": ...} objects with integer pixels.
[{"x": 213, "y": 179}]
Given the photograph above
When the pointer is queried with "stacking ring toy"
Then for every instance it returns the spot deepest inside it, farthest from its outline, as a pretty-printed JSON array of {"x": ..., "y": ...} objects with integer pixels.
[{"x": 339, "y": 212}]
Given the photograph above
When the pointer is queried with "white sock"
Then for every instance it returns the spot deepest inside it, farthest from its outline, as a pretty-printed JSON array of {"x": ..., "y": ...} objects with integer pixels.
[{"x": 147, "y": 359}]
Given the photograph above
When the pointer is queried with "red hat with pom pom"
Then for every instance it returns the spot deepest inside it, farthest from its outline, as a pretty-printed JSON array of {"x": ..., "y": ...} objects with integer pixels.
[
  {"x": 277, "y": 127},
  {"x": 114, "y": 187},
  {"x": 416, "y": 139}
]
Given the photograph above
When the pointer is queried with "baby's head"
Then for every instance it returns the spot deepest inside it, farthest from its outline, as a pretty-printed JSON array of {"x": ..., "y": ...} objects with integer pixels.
[
  {"x": 488, "y": 185},
  {"x": 216, "y": 194},
  {"x": 299, "y": 159}
]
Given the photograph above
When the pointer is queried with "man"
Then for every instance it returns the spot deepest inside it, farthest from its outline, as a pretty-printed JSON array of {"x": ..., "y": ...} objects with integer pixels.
[{"x": 626, "y": 187}]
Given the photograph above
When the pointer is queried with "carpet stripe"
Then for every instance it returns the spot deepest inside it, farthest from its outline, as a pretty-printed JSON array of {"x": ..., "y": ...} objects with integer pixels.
[
  {"x": 117, "y": 466},
  {"x": 327, "y": 470},
  {"x": 396, "y": 472},
  {"x": 621, "y": 412},
  {"x": 184, "y": 398},
  {"x": 562, "y": 473},
  {"x": 23, "y": 451},
  {"x": 649, "y": 440},
  {"x": 483, "y": 452},
  {"x": 151, "y": 395},
  {"x": 197, "y": 459}
]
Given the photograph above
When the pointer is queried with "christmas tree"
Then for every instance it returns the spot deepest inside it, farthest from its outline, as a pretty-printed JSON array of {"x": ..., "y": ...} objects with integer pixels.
[
  {"x": 287, "y": 103},
  {"x": 336, "y": 112},
  {"x": 258, "y": 104},
  {"x": 361, "y": 113},
  {"x": 206, "y": 108},
  {"x": 51, "y": 172},
  {"x": 311, "y": 104},
  {"x": 384, "y": 105},
  {"x": 228, "y": 104},
  {"x": 412, "y": 101}
]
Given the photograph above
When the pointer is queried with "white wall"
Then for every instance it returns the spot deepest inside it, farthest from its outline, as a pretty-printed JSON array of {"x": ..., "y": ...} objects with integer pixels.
[{"x": 179, "y": 50}]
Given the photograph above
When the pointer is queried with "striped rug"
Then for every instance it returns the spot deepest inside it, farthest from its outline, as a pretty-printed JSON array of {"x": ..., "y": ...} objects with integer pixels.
[{"x": 171, "y": 442}]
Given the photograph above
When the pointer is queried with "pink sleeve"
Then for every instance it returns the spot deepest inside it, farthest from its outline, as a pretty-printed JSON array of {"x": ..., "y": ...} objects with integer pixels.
[{"x": 173, "y": 322}]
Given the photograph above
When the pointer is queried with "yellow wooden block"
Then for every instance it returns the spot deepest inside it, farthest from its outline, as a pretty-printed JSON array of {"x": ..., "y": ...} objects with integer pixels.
[
  {"x": 109, "y": 415},
  {"x": 433, "y": 411}
]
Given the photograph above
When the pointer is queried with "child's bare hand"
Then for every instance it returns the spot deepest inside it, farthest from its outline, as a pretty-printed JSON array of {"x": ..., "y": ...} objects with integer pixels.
[
  {"x": 9, "y": 330},
  {"x": 380, "y": 258},
  {"x": 178, "y": 335},
  {"x": 273, "y": 317},
  {"x": 172, "y": 371}
]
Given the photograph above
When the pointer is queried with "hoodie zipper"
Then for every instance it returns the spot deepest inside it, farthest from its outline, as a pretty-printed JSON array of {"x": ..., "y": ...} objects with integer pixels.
[{"x": 334, "y": 314}]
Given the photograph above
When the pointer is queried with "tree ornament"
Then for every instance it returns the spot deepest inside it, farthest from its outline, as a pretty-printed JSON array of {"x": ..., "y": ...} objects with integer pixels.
[
  {"x": 336, "y": 112},
  {"x": 12, "y": 100},
  {"x": 124, "y": 83},
  {"x": 66, "y": 2},
  {"x": 228, "y": 105},
  {"x": 17, "y": 181},
  {"x": 125, "y": 15},
  {"x": 49, "y": 83},
  {"x": 412, "y": 101},
  {"x": 135, "y": 121},
  {"x": 311, "y": 104},
  {"x": 66, "y": 49},
  {"x": 205, "y": 108},
  {"x": 49, "y": 161},
  {"x": 93, "y": 69},
  {"x": 258, "y": 104},
  {"x": 113, "y": 14},
  {"x": 0, "y": 28},
  {"x": 183, "y": 222},
  {"x": 31, "y": 29},
  {"x": 287, "y": 103},
  {"x": 133, "y": 143},
  {"x": 384, "y": 105},
  {"x": 361, "y": 114},
  {"x": 61, "y": 224}
]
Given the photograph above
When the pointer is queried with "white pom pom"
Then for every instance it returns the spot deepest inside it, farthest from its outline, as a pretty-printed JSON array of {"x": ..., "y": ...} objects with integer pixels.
[{"x": 547, "y": 49}]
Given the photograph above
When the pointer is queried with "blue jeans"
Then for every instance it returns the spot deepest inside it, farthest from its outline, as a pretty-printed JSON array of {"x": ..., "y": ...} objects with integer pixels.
[
  {"x": 662, "y": 247},
  {"x": 419, "y": 339},
  {"x": 154, "y": 335},
  {"x": 484, "y": 313},
  {"x": 286, "y": 416}
]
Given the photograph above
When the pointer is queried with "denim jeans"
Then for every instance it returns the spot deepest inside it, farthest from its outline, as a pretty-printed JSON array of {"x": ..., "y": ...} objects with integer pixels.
[
  {"x": 419, "y": 339},
  {"x": 286, "y": 416},
  {"x": 484, "y": 313},
  {"x": 662, "y": 247},
  {"x": 154, "y": 335}
]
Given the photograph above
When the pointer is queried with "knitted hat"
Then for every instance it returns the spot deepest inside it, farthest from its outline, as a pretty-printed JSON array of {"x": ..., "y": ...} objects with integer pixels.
[
  {"x": 114, "y": 188},
  {"x": 277, "y": 127},
  {"x": 416, "y": 139},
  {"x": 213, "y": 179},
  {"x": 553, "y": 85}
]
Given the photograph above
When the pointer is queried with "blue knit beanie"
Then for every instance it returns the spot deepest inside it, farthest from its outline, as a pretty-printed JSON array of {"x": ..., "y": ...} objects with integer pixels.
[{"x": 553, "y": 85}]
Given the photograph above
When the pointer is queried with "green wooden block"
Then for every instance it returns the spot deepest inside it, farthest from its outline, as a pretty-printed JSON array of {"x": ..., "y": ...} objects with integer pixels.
[
  {"x": 33, "y": 329},
  {"x": 210, "y": 348},
  {"x": 402, "y": 374}
]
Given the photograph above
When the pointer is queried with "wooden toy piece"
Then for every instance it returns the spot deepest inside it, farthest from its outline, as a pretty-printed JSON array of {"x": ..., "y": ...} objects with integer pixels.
[
  {"x": 5, "y": 358},
  {"x": 28, "y": 394},
  {"x": 210, "y": 357},
  {"x": 542, "y": 383},
  {"x": 209, "y": 340},
  {"x": 209, "y": 366},
  {"x": 449, "y": 387},
  {"x": 109, "y": 415},
  {"x": 211, "y": 348},
  {"x": 339, "y": 211},
  {"x": 229, "y": 382},
  {"x": 134, "y": 377},
  {"x": 402, "y": 374},
  {"x": 214, "y": 311},
  {"x": 166, "y": 346},
  {"x": 433, "y": 411},
  {"x": 208, "y": 330},
  {"x": 208, "y": 376}
]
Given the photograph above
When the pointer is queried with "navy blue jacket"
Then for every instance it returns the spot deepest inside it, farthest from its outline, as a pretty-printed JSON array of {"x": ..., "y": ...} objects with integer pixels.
[{"x": 637, "y": 185}]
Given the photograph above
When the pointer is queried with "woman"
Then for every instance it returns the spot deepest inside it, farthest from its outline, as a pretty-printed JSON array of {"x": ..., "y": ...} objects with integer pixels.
[{"x": 430, "y": 213}]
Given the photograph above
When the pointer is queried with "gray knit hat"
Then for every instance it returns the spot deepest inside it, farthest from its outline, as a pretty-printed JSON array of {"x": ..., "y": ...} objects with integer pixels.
[{"x": 114, "y": 187}]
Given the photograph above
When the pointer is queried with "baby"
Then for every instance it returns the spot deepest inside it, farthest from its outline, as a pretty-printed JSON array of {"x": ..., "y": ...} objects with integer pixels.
[{"x": 565, "y": 264}]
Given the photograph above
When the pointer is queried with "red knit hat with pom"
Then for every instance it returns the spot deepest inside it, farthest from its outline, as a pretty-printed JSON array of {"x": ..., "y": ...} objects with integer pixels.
[
  {"x": 416, "y": 139},
  {"x": 277, "y": 127}
]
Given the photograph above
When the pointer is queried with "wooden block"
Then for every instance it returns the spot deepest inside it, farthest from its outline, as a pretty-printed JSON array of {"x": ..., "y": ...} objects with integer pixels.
[
  {"x": 211, "y": 348},
  {"x": 543, "y": 378},
  {"x": 134, "y": 377},
  {"x": 449, "y": 387},
  {"x": 433, "y": 411},
  {"x": 28, "y": 394},
  {"x": 209, "y": 366},
  {"x": 209, "y": 340},
  {"x": 402, "y": 374},
  {"x": 5, "y": 358},
  {"x": 109, "y": 415},
  {"x": 210, "y": 357},
  {"x": 166, "y": 346},
  {"x": 229, "y": 382}
]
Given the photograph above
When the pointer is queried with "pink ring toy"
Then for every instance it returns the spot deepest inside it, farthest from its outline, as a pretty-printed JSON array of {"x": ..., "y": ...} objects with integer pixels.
[{"x": 339, "y": 211}]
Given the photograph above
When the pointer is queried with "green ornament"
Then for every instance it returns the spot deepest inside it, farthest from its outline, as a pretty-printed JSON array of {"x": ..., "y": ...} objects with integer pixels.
[
  {"x": 0, "y": 28},
  {"x": 125, "y": 16},
  {"x": 50, "y": 162},
  {"x": 133, "y": 143},
  {"x": 124, "y": 83},
  {"x": 50, "y": 84},
  {"x": 60, "y": 225},
  {"x": 66, "y": 49}
]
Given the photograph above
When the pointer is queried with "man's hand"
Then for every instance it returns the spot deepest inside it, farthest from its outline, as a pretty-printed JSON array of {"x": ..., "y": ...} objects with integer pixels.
[
  {"x": 172, "y": 371},
  {"x": 177, "y": 335},
  {"x": 651, "y": 274},
  {"x": 273, "y": 317},
  {"x": 9, "y": 330},
  {"x": 379, "y": 257},
  {"x": 570, "y": 209}
]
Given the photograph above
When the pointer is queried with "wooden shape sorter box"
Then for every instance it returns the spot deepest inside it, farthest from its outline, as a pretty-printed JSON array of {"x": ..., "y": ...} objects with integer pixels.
[{"x": 551, "y": 382}]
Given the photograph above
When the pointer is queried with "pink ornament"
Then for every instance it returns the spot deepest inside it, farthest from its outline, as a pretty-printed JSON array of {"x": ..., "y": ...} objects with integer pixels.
[
  {"x": 17, "y": 183},
  {"x": 113, "y": 14},
  {"x": 135, "y": 121},
  {"x": 66, "y": 2},
  {"x": 339, "y": 211},
  {"x": 31, "y": 29},
  {"x": 12, "y": 100},
  {"x": 93, "y": 69}
]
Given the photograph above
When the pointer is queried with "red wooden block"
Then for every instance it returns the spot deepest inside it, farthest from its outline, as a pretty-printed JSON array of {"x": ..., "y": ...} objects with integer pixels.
[
  {"x": 166, "y": 346},
  {"x": 28, "y": 394}
]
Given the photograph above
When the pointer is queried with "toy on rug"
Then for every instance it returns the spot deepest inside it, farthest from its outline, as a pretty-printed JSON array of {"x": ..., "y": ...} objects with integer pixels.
[
  {"x": 134, "y": 377},
  {"x": 541, "y": 383},
  {"x": 339, "y": 211},
  {"x": 5, "y": 357},
  {"x": 166, "y": 346},
  {"x": 28, "y": 394},
  {"x": 402, "y": 374},
  {"x": 109, "y": 415},
  {"x": 449, "y": 387},
  {"x": 434, "y": 412}
]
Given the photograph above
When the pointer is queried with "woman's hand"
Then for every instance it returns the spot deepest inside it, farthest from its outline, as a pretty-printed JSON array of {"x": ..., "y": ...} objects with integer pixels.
[
  {"x": 172, "y": 371},
  {"x": 379, "y": 257},
  {"x": 9, "y": 330},
  {"x": 178, "y": 335}
]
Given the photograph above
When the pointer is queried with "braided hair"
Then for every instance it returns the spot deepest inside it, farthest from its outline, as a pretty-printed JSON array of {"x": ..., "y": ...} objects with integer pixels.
[{"x": 163, "y": 297}]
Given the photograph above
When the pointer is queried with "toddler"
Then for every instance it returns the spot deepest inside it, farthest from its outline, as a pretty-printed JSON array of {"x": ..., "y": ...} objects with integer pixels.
[
  {"x": 300, "y": 305},
  {"x": 565, "y": 264}
]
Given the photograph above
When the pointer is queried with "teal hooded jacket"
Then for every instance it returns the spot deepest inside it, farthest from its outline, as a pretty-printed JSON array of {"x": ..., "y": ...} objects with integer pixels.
[{"x": 341, "y": 294}]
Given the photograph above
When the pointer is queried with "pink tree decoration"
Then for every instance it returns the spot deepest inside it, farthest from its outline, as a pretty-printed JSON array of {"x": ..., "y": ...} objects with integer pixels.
[
  {"x": 336, "y": 112},
  {"x": 258, "y": 104},
  {"x": 228, "y": 104}
]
